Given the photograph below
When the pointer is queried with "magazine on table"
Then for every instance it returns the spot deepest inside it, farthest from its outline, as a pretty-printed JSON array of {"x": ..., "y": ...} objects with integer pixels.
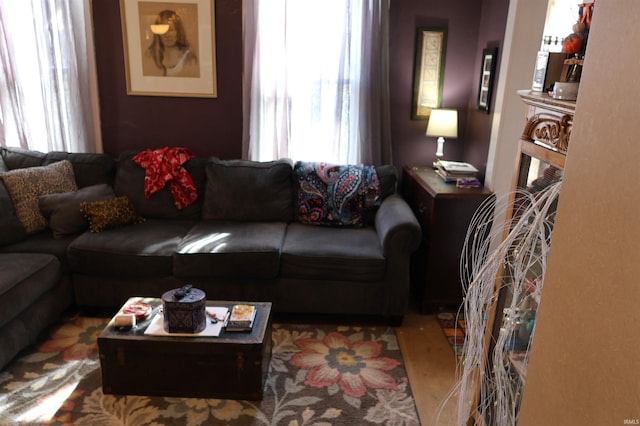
[{"x": 455, "y": 167}]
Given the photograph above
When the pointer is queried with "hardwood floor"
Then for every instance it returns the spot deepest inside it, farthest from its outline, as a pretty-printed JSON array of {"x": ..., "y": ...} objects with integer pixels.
[{"x": 431, "y": 366}]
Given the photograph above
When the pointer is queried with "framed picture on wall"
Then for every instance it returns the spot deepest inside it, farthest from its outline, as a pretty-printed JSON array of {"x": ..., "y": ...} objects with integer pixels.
[
  {"x": 429, "y": 72},
  {"x": 486, "y": 78},
  {"x": 169, "y": 47}
]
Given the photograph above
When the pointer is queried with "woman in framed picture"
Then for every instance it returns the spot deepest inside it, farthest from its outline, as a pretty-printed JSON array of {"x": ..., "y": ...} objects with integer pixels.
[{"x": 170, "y": 50}]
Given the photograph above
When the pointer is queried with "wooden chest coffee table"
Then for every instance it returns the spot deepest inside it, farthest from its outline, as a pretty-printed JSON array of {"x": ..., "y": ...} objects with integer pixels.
[{"x": 233, "y": 365}]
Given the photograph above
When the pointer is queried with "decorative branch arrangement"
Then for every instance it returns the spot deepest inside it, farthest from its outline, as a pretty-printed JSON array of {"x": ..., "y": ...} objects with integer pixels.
[{"x": 492, "y": 370}]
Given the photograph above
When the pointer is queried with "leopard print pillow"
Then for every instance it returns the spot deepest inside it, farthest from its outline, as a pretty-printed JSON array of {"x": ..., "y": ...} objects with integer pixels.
[
  {"x": 111, "y": 213},
  {"x": 26, "y": 185}
]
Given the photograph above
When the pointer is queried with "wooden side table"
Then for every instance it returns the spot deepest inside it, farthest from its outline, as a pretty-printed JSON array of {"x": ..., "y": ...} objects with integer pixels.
[{"x": 444, "y": 212}]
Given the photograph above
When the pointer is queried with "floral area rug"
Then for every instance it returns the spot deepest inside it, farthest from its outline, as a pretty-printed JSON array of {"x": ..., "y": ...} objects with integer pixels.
[{"x": 319, "y": 375}]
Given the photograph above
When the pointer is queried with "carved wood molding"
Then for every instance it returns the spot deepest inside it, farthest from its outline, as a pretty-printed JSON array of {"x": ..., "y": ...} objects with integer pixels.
[{"x": 553, "y": 130}]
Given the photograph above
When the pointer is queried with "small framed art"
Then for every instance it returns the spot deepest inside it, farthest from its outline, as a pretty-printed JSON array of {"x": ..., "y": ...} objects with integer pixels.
[
  {"x": 489, "y": 57},
  {"x": 429, "y": 72}
]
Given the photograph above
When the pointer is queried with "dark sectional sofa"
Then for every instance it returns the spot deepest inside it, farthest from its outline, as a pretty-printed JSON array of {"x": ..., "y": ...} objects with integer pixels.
[{"x": 240, "y": 240}]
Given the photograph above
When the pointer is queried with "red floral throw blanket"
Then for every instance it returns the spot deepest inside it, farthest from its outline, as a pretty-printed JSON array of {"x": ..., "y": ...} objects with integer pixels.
[
  {"x": 165, "y": 165},
  {"x": 336, "y": 195}
]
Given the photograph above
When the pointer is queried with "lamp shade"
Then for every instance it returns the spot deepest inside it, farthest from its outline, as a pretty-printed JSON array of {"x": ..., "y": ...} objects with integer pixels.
[{"x": 443, "y": 122}]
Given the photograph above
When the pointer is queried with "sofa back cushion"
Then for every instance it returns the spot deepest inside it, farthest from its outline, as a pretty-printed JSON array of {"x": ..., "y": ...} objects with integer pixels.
[
  {"x": 18, "y": 158},
  {"x": 249, "y": 190},
  {"x": 388, "y": 178},
  {"x": 88, "y": 168},
  {"x": 11, "y": 229},
  {"x": 129, "y": 181}
]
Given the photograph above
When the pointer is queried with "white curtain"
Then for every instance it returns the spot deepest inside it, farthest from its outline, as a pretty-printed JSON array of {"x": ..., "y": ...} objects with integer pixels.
[
  {"x": 48, "y": 100},
  {"x": 316, "y": 81}
]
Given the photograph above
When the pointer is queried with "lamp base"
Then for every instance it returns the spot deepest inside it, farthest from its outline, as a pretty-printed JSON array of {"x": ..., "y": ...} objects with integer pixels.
[{"x": 439, "y": 152}]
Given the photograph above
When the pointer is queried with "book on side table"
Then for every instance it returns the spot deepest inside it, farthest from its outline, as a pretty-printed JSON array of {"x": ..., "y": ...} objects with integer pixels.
[
  {"x": 458, "y": 167},
  {"x": 464, "y": 175}
]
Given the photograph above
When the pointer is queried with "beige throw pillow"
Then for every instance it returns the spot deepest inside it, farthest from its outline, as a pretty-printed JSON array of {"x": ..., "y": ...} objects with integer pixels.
[{"x": 26, "y": 185}]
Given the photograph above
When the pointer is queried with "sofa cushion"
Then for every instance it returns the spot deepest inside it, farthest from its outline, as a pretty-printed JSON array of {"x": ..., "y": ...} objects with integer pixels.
[
  {"x": 129, "y": 181},
  {"x": 42, "y": 242},
  {"x": 141, "y": 250},
  {"x": 26, "y": 185},
  {"x": 110, "y": 213},
  {"x": 63, "y": 210},
  {"x": 249, "y": 191},
  {"x": 24, "y": 278},
  {"x": 231, "y": 249},
  {"x": 89, "y": 169},
  {"x": 11, "y": 229},
  {"x": 336, "y": 195},
  {"x": 348, "y": 254},
  {"x": 388, "y": 178},
  {"x": 18, "y": 158}
]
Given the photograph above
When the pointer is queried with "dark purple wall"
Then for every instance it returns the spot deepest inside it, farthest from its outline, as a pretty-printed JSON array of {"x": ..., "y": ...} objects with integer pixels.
[
  {"x": 209, "y": 126},
  {"x": 491, "y": 34},
  {"x": 470, "y": 25},
  {"x": 213, "y": 126}
]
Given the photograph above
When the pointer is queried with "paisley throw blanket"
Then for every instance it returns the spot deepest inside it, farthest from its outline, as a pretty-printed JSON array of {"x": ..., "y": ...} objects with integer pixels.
[{"x": 336, "y": 195}]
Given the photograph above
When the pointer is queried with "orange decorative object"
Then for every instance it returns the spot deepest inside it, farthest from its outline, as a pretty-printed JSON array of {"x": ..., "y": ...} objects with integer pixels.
[
  {"x": 586, "y": 13},
  {"x": 572, "y": 44}
]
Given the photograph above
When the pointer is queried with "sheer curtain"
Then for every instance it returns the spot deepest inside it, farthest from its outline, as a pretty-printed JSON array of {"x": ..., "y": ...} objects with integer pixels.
[
  {"x": 48, "y": 99},
  {"x": 316, "y": 81}
]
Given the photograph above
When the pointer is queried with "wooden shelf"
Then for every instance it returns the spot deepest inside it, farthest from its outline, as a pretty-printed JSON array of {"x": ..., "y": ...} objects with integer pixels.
[{"x": 542, "y": 150}]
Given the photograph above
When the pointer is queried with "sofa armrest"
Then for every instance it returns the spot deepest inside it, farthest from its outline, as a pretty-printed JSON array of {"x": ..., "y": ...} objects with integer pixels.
[{"x": 397, "y": 226}]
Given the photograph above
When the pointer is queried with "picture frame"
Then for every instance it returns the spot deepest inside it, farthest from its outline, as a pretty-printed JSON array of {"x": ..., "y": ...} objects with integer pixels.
[
  {"x": 429, "y": 71},
  {"x": 169, "y": 47},
  {"x": 487, "y": 71}
]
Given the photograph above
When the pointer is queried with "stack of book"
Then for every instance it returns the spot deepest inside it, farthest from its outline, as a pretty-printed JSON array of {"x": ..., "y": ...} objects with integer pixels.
[
  {"x": 464, "y": 175},
  {"x": 241, "y": 318}
]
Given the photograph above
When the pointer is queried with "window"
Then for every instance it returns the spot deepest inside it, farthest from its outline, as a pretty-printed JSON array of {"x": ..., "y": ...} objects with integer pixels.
[
  {"x": 316, "y": 79},
  {"x": 44, "y": 100}
]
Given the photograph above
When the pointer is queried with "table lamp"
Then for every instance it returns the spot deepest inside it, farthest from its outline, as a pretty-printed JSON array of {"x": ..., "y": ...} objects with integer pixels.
[{"x": 442, "y": 123}]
